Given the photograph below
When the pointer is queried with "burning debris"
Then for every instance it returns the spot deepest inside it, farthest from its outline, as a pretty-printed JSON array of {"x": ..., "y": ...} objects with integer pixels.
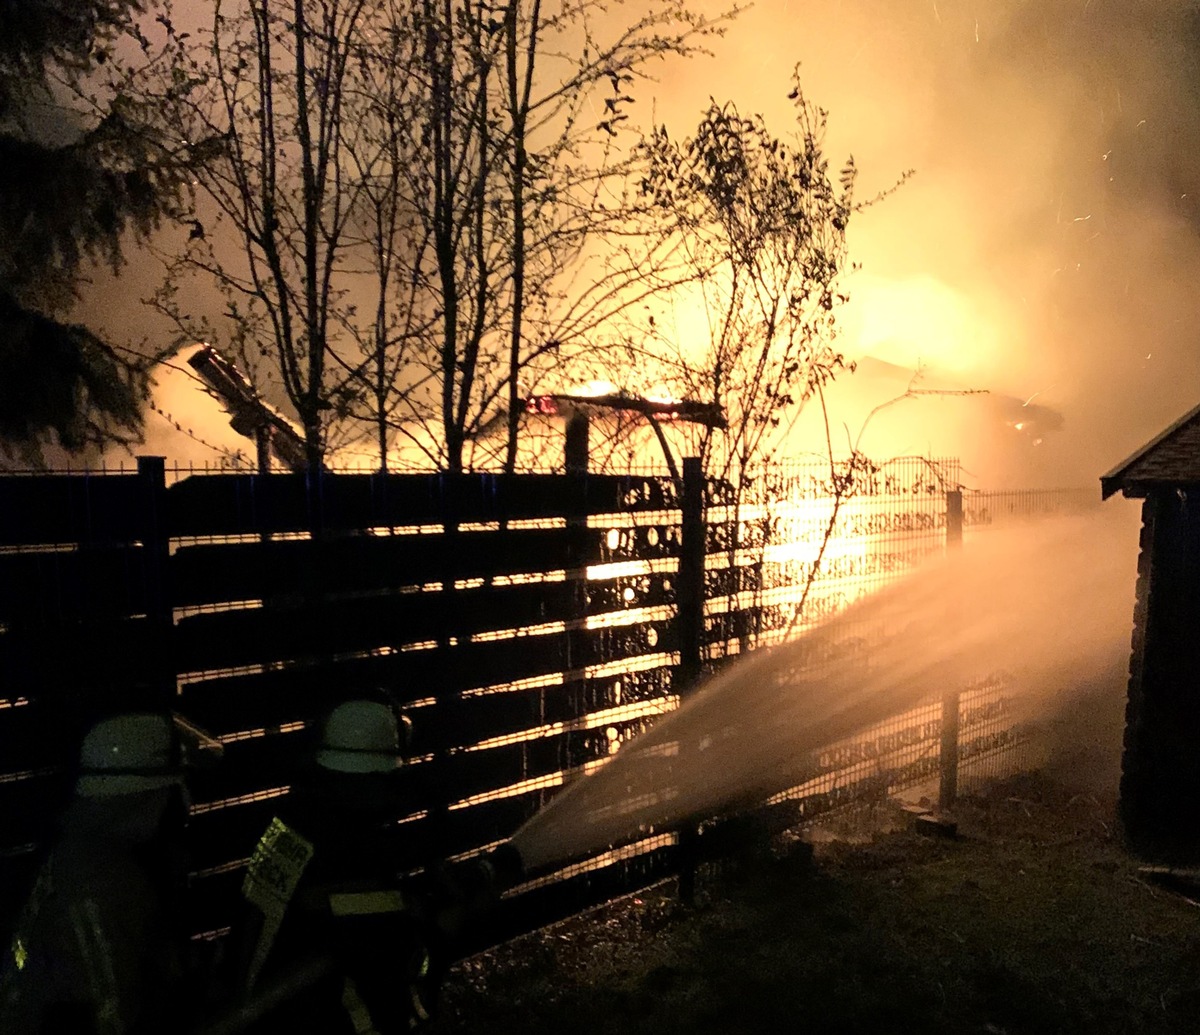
[{"x": 249, "y": 414}]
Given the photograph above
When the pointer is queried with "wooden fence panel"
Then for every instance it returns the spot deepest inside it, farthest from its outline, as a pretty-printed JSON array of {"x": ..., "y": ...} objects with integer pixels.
[
  {"x": 252, "y": 765},
  {"x": 492, "y": 821},
  {"x": 86, "y": 582},
  {"x": 220, "y": 572},
  {"x": 222, "y": 839},
  {"x": 30, "y": 803},
  {"x": 530, "y": 625},
  {"x": 79, "y": 662},
  {"x": 71, "y": 508},
  {"x": 261, "y": 697},
  {"x": 250, "y": 671},
  {"x": 250, "y": 504},
  {"x": 305, "y": 630},
  {"x": 31, "y": 737}
]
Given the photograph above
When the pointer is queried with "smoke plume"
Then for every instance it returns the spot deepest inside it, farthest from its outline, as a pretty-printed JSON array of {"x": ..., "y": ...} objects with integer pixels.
[
  {"x": 1049, "y": 605},
  {"x": 1046, "y": 249}
]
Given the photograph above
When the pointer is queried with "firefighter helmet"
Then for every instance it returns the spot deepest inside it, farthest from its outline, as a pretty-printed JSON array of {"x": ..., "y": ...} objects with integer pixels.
[
  {"x": 128, "y": 753},
  {"x": 362, "y": 737}
]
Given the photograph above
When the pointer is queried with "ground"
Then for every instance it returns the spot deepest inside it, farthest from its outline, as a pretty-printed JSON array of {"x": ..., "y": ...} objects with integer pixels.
[{"x": 1033, "y": 919}]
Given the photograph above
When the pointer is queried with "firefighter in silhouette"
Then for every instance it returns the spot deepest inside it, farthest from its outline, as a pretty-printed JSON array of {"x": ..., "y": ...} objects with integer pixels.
[
  {"x": 328, "y": 941},
  {"x": 96, "y": 947}
]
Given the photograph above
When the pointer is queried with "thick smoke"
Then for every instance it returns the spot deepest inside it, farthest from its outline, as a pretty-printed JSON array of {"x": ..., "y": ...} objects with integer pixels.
[
  {"x": 1046, "y": 247},
  {"x": 1045, "y": 250}
]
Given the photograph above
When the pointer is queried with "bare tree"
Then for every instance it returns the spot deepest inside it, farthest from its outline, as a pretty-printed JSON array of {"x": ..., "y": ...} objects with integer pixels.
[
  {"x": 763, "y": 223},
  {"x": 526, "y": 237},
  {"x": 380, "y": 139},
  {"x": 428, "y": 214},
  {"x": 764, "y": 227},
  {"x": 560, "y": 202},
  {"x": 270, "y": 230}
]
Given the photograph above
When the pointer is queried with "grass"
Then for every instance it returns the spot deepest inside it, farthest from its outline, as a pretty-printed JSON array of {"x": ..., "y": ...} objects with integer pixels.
[{"x": 1033, "y": 920}]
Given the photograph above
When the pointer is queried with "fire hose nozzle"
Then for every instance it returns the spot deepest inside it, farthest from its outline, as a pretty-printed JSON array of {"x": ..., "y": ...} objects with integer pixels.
[
  {"x": 506, "y": 865},
  {"x": 463, "y": 894},
  {"x": 477, "y": 883}
]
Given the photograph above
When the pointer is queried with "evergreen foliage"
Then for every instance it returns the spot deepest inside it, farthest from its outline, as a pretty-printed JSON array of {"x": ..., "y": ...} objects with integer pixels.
[{"x": 74, "y": 178}]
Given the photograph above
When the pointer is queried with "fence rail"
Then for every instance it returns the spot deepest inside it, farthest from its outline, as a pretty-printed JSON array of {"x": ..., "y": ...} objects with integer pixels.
[{"x": 530, "y": 624}]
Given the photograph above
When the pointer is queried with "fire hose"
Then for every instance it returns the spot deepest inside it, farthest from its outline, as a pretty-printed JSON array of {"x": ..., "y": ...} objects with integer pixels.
[
  {"x": 268, "y": 997},
  {"x": 460, "y": 894}
]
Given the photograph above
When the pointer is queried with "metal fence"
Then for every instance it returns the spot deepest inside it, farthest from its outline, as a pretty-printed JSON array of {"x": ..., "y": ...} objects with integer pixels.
[
  {"x": 530, "y": 624},
  {"x": 805, "y": 541},
  {"x": 961, "y": 740},
  {"x": 999, "y": 509}
]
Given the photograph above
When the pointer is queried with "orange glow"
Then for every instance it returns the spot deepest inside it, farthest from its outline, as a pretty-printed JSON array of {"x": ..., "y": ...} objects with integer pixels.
[
  {"x": 920, "y": 321},
  {"x": 593, "y": 388},
  {"x": 1047, "y": 239}
]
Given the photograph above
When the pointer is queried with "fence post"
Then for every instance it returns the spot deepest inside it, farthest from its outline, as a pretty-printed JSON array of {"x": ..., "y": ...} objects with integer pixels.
[
  {"x": 439, "y": 787},
  {"x": 155, "y": 536},
  {"x": 948, "y": 789},
  {"x": 575, "y": 448},
  {"x": 314, "y": 489},
  {"x": 690, "y": 593},
  {"x": 690, "y": 602},
  {"x": 578, "y": 640},
  {"x": 575, "y": 464},
  {"x": 954, "y": 519}
]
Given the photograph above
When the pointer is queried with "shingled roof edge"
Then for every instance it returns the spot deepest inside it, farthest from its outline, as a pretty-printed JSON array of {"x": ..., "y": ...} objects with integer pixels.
[{"x": 1111, "y": 482}]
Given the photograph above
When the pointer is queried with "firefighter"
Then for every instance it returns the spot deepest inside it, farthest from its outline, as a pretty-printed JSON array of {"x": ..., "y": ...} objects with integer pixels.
[
  {"x": 96, "y": 947},
  {"x": 328, "y": 941}
]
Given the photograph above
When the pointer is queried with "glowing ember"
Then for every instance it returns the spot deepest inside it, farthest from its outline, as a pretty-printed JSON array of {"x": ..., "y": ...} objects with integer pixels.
[{"x": 593, "y": 389}]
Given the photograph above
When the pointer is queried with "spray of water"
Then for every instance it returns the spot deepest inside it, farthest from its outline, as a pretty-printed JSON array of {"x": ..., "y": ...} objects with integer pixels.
[{"x": 1049, "y": 604}]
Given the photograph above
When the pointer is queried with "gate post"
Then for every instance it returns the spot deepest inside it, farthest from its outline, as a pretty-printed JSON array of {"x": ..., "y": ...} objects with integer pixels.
[
  {"x": 690, "y": 602},
  {"x": 954, "y": 519},
  {"x": 948, "y": 789},
  {"x": 155, "y": 536}
]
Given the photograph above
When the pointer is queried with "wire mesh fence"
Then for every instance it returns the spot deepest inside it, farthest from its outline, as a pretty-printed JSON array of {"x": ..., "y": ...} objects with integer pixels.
[
  {"x": 534, "y": 626},
  {"x": 805, "y": 541},
  {"x": 880, "y": 760},
  {"x": 999, "y": 509},
  {"x": 995, "y": 738}
]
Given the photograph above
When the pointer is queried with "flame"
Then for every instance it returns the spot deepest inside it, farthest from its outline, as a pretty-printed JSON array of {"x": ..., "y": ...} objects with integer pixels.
[
  {"x": 917, "y": 321},
  {"x": 592, "y": 389},
  {"x": 660, "y": 394}
]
